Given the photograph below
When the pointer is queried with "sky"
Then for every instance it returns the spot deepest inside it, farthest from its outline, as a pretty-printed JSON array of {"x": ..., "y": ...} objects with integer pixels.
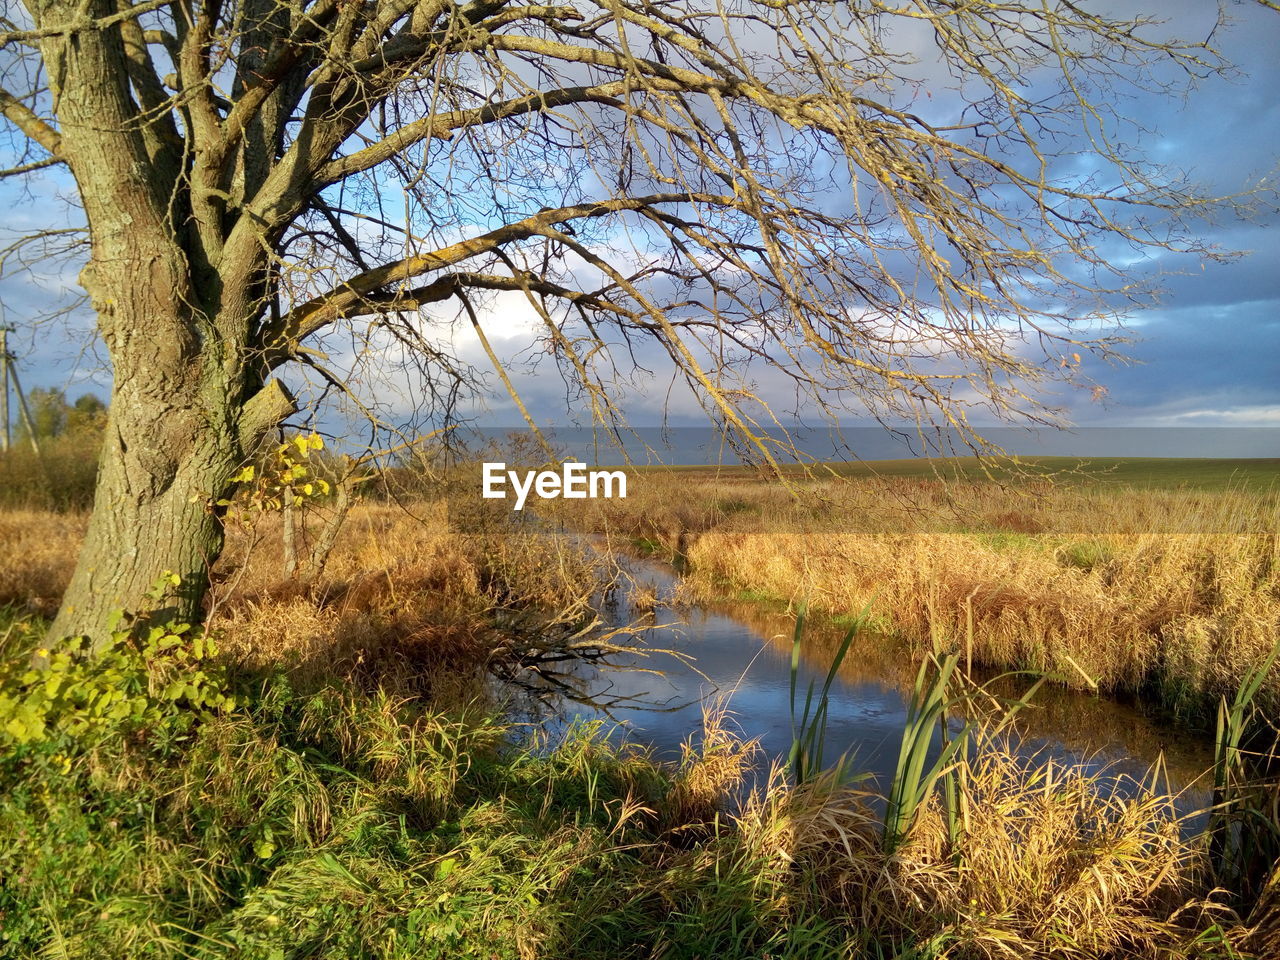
[{"x": 1207, "y": 356}]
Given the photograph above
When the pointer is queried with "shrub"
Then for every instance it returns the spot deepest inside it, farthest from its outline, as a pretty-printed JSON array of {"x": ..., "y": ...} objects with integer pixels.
[{"x": 147, "y": 677}]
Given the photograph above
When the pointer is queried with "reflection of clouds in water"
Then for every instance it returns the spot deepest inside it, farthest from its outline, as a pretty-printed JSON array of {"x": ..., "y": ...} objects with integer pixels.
[{"x": 744, "y": 651}]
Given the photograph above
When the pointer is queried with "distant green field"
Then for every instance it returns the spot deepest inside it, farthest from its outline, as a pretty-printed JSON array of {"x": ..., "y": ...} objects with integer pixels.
[{"x": 1161, "y": 472}]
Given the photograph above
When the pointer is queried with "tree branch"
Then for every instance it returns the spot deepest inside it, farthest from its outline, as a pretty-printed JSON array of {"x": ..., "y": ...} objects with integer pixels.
[
  {"x": 442, "y": 125},
  {"x": 359, "y": 291},
  {"x": 31, "y": 167},
  {"x": 25, "y": 119}
]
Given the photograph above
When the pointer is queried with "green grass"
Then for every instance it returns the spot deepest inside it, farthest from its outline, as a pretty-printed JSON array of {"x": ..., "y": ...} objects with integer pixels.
[
  {"x": 345, "y": 823},
  {"x": 1199, "y": 473},
  {"x": 349, "y": 826},
  {"x": 14, "y": 618},
  {"x": 648, "y": 546},
  {"x": 763, "y": 597},
  {"x": 1006, "y": 542},
  {"x": 1085, "y": 555}
]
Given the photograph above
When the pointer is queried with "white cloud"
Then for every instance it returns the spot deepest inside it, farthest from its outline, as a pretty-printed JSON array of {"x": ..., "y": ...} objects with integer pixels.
[{"x": 1246, "y": 416}]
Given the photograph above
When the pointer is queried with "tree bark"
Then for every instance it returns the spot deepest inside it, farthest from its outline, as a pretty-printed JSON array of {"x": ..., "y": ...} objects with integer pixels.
[
  {"x": 183, "y": 418},
  {"x": 172, "y": 441},
  {"x": 164, "y": 468},
  {"x": 146, "y": 524},
  {"x": 329, "y": 535},
  {"x": 289, "y": 534},
  {"x": 171, "y": 444},
  {"x": 176, "y": 314}
]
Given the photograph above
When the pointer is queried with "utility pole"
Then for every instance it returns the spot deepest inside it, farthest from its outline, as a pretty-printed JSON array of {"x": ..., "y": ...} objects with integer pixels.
[
  {"x": 4, "y": 386},
  {"x": 11, "y": 375}
]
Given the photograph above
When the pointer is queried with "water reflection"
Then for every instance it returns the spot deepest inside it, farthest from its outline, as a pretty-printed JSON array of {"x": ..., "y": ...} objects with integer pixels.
[{"x": 743, "y": 652}]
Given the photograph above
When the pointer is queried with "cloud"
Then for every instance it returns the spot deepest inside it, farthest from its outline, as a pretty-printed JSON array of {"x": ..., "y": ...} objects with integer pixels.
[
  {"x": 1208, "y": 351},
  {"x": 1248, "y": 416}
]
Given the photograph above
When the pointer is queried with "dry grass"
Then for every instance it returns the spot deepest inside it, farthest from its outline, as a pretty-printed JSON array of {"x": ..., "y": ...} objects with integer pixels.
[
  {"x": 398, "y": 595},
  {"x": 61, "y": 478},
  {"x": 1037, "y": 579},
  {"x": 37, "y": 553},
  {"x": 1049, "y": 864},
  {"x": 1087, "y": 583},
  {"x": 1189, "y": 613},
  {"x": 712, "y": 770},
  {"x": 1263, "y": 939},
  {"x": 405, "y": 601}
]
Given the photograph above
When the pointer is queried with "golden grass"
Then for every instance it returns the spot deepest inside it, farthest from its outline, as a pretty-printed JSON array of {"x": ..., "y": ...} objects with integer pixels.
[
  {"x": 37, "y": 554},
  {"x": 1049, "y": 864},
  {"x": 1197, "y": 611},
  {"x": 404, "y": 600},
  {"x": 1087, "y": 582},
  {"x": 1051, "y": 861},
  {"x": 1026, "y": 579},
  {"x": 712, "y": 770},
  {"x": 1263, "y": 939},
  {"x": 395, "y": 589}
]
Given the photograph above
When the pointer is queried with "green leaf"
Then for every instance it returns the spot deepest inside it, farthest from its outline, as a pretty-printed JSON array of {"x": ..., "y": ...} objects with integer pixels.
[{"x": 446, "y": 867}]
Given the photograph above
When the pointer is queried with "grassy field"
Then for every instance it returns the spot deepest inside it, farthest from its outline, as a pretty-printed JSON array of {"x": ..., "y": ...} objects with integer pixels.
[
  {"x": 351, "y": 824},
  {"x": 1169, "y": 591},
  {"x": 1206, "y": 474},
  {"x": 362, "y": 794}
]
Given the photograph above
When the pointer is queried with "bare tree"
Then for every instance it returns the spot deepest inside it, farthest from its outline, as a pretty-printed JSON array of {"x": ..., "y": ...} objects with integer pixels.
[{"x": 781, "y": 181}]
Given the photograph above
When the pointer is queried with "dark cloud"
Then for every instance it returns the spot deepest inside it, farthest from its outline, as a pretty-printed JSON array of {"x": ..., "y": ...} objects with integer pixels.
[
  {"x": 1198, "y": 358},
  {"x": 1209, "y": 350}
]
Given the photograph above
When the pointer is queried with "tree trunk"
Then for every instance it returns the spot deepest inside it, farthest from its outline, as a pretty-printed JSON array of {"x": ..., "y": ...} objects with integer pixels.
[
  {"x": 178, "y": 429},
  {"x": 176, "y": 305},
  {"x": 146, "y": 523},
  {"x": 163, "y": 470},
  {"x": 171, "y": 443},
  {"x": 289, "y": 533},
  {"x": 169, "y": 451},
  {"x": 329, "y": 535},
  {"x": 168, "y": 448}
]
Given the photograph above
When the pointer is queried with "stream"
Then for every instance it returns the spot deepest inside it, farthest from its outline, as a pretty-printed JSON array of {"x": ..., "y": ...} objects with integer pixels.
[{"x": 742, "y": 652}]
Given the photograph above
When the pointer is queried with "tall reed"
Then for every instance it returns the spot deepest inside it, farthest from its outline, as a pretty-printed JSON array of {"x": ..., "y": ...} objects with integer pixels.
[
  {"x": 1169, "y": 594},
  {"x": 914, "y": 778},
  {"x": 809, "y": 730},
  {"x": 1244, "y": 834}
]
